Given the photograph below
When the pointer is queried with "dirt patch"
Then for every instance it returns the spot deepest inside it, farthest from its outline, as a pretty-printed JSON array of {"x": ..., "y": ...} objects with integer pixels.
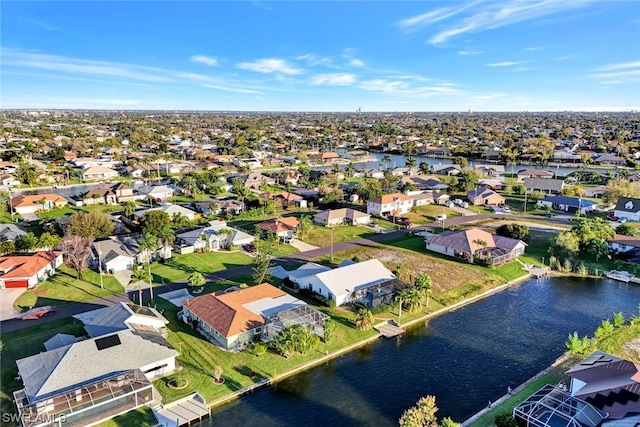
[
  {"x": 631, "y": 350},
  {"x": 444, "y": 274},
  {"x": 41, "y": 293}
]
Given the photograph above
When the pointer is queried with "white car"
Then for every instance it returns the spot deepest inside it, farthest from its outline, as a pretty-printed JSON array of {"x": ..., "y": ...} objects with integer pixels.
[
  {"x": 457, "y": 202},
  {"x": 506, "y": 209},
  {"x": 441, "y": 217},
  {"x": 464, "y": 205},
  {"x": 448, "y": 203}
]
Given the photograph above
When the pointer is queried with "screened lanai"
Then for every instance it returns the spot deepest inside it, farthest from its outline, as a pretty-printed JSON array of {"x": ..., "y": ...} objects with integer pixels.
[
  {"x": 553, "y": 407},
  {"x": 301, "y": 314}
]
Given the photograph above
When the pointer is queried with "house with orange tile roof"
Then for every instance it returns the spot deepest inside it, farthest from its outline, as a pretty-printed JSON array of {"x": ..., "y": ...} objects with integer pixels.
[
  {"x": 281, "y": 227},
  {"x": 234, "y": 319},
  {"x": 389, "y": 204},
  {"x": 472, "y": 242},
  {"x": 37, "y": 202},
  {"x": 26, "y": 271},
  {"x": 329, "y": 157}
]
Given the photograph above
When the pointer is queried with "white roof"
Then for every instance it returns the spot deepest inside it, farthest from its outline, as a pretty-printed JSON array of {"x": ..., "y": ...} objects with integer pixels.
[
  {"x": 269, "y": 306},
  {"x": 349, "y": 278},
  {"x": 308, "y": 269}
]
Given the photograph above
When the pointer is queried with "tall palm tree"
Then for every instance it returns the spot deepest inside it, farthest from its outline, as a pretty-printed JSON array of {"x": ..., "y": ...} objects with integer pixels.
[
  {"x": 148, "y": 244},
  {"x": 386, "y": 159},
  {"x": 364, "y": 319},
  {"x": 423, "y": 285},
  {"x": 166, "y": 237},
  {"x": 139, "y": 275},
  {"x": 129, "y": 208}
]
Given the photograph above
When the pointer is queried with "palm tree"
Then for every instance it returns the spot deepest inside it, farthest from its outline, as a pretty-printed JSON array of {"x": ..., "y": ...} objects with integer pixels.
[
  {"x": 148, "y": 244},
  {"x": 139, "y": 275},
  {"x": 166, "y": 237},
  {"x": 386, "y": 159},
  {"x": 129, "y": 209},
  {"x": 305, "y": 225},
  {"x": 423, "y": 285},
  {"x": 364, "y": 319},
  {"x": 411, "y": 162}
]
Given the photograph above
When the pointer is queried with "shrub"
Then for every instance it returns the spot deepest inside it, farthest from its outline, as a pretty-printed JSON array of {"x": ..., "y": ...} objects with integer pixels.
[
  {"x": 258, "y": 348},
  {"x": 505, "y": 419}
]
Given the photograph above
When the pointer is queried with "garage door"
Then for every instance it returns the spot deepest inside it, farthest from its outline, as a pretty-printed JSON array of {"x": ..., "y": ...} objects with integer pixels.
[{"x": 16, "y": 284}]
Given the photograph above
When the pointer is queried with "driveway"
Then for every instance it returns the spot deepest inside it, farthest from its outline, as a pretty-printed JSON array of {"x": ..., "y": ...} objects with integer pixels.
[
  {"x": 302, "y": 246},
  {"x": 9, "y": 296},
  {"x": 463, "y": 211}
]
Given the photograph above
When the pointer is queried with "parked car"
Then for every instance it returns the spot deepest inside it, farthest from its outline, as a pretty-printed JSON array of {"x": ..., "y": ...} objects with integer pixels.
[
  {"x": 448, "y": 203},
  {"x": 464, "y": 205},
  {"x": 441, "y": 217},
  {"x": 457, "y": 202},
  {"x": 612, "y": 218},
  {"x": 250, "y": 248},
  {"x": 373, "y": 224},
  {"x": 506, "y": 209},
  {"x": 286, "y": 239}
]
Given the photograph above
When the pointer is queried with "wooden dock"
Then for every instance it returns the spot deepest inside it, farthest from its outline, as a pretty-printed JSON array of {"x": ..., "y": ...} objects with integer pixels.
[
  {"x": 388, "y": 329},
  {"x": 184, "y": 411},
  {"x": 538, "y": 272}
]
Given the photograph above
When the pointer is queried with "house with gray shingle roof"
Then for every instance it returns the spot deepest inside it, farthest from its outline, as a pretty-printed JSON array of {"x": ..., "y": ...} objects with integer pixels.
[
  {"x": 10, "y": 232},
  {"x": 628, "y": 207},
  {"x": 544, "y": 185},
  {"x": 92, "y": 380},
  {"x": 469, "y": 243}
]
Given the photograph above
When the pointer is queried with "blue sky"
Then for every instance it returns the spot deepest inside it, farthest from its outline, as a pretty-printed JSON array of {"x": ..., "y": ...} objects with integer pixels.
[{"x": 538, "y": 55}]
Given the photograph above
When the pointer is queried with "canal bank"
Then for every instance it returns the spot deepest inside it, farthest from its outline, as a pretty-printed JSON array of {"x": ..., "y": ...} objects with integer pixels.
[{"x": 465, "y": 358}]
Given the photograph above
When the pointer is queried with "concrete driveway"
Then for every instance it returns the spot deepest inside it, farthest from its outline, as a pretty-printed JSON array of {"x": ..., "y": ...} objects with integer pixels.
[
  {"x": 9, "y": 296},
  {"x": 302, "y": 246}
]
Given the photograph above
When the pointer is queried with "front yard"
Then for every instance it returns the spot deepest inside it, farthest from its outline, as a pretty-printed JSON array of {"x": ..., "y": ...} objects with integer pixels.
[{"x": 64, "y": 288}]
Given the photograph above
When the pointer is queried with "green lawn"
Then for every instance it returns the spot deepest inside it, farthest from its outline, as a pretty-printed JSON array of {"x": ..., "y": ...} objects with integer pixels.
[
  {"x": 199, "y": 357},
  {"x": 179, "y": 267},
  {"x": 27, "y": 342},
  {"x": 141, "y": 417},
  {"x": 64, "y": 288},
  {"x": 321, "y": 236},
  {"x": 426, "y": 214}
]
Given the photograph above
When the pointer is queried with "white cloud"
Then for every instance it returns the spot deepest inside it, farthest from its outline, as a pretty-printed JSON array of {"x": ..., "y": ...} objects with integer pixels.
[
  {"x": 335, "y": 79},
  {"x": 234, "y": 89},
  {"x": 621, "y": 66},
  {"x": 469, "y": 52},
  {"x": 623, "y": 72},
  {"x": 503, "y": 64},
  {"x": 404, "y": 88},
  {"x": 489, "y": 15},
  {"x": 270, "y": 65},
  {"x": 356, "y": 62},
  {"x": 314, "y": 60},
  {"x": 206, "y": 60},
  {"x": 426, "y": 19},
  {"x": 37, "y": 60}
]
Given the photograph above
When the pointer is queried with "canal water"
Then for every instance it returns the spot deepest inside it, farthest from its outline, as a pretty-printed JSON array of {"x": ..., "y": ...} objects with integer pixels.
[{"x": 465, "y": 358}]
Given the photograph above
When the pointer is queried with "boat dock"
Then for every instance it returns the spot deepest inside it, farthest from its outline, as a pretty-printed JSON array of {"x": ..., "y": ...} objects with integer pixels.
[
  {"x": 537, "y": 271},
  {"x": 388, "y": 329},
  {"x": 183, "y": 412}
]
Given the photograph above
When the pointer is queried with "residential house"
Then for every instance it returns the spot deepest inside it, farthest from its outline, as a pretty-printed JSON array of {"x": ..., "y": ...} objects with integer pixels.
[
  {"x": 99, "y": 172},
  {"x": 250, "y": 163},
  {"x": 38, "y": 202},
  {"x": 233, "y": 206},
  {"x": 171, "y": 210},
  {"x": 447, "y": 169},
  {"x": 389, "y": 204},
  {"x": 100, "y": 196},
  {"x": 484, "y": 196},
  {"x": 621, "y": 243},
  {"x": 121, "y": 317},
  {"x": 470, "y": 243},
  {"x": 124, "y": 193},
  {"x": 113, "y": 255},
  {"x": 534, "y": 173},
  {"x": 157, "y": 192},
  {"x": 544, "y": 185},
  {"x": 610, "y": 159},
  {"x": 490, "y": 183},
  {"x": 281, "y": 227},
  {"x": 333, "y": 217},
  {"x": 493, "y": 171},
  {"x": 329, "y": 157},
  {"x": 566, "y": 157},
  {"x": 568, "y": 204},
  {"x": 628, "y": 208},
  {"x": 8, "y": 181},
  {"x": 10, "y": 232},
  {"x": 289, "y": 176},
  {"x": 210, "y": 238},
  {"x": 429, "y": 197},
  {"x": 236, "y": 319},
  {"x": 255, "y": 180},
  {"x": 404, "y": 171},
  {"x": 430, "y": 182},
  {"x": 286, "y": 199},
  {"x": 347, "y": 284},
  {"x": 26, "y": 271},
  {"x": 604, "y": 391},
  {"x": 375, "y": 173},
  {"x": 92, "y": 380}
]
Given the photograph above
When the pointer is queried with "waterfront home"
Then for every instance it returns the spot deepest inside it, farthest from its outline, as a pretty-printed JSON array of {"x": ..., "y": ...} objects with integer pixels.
[
  {"x": 473, "y": 243},
  {"x": 567, "y": 204},
  {"x": 124, "y": 193},
  {"x": 329, "y": 157},
  {"x": 38, "y": 202},
  {"x": 448, "y": 169},
  {"x": 490, "y": 170},
  {"x": 281, "y": 227},
  {"x": 604, "y": 390},
  {"x": 484, "y": 196},
  {"x": 92, "y": 380},
  {"x": 348, "y": 283},
  {"x": 374, "y": 173},
  {"x": 99, "y": 172},
  {"x": 404, "y": 171},
  {"x": 333, "y": 217},
  {"x": 628, "y": 208},
  {"x": 544, "y": 185},
  {"x": 621, "y": 243},
  {"x": 389, "y": 204},
  {"x": 610, "y": 159},
  {"x": 26, "y": 271},
  {"x": 100, "y": 196},
  {"x": 157, "y": 192},
  {"x": 236, "y": 319},
  {"x": 534, "y": 173}
]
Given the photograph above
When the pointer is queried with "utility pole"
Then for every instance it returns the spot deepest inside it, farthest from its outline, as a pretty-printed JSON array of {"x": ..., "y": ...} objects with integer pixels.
[
  {"x": 525, "y": 200},
  {"x": 100, "y": 267},
  {"x": 331, "y": 232}
]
